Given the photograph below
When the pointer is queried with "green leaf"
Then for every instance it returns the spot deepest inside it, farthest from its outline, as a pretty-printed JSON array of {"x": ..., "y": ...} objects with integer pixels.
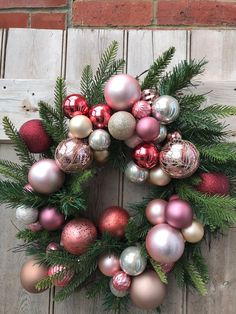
[{"x": 158, "y": 269}]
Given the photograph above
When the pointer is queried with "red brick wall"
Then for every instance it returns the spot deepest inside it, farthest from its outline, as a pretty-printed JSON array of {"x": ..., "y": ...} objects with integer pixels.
[{"x": 61, "y": 14}]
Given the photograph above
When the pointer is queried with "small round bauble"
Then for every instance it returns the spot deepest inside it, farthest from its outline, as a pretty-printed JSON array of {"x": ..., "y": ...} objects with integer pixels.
[
  {"x": 155, "y": 211},
  {"x": 26, "y": 215},
  {"x": 114, "y": 221},
  {"x": 141, "y": 109},
  {"x": 133, "y": 141},
  {"x": 64, "y": 275},
  {"x": 52, "y": 246},
  {"x": 77, "y": 235},
  {"x": 159, "y": 177},
  {"x": 122, "y": 125},
  {"x": 146, "y": 155},
  {"x": 167, "y": 267},
  {"x": 149, "y": 95},
  {"x": 179, "y": 214},
  {"x": 101, "y": 156},
  {"x": 51, "y": 219},
  {"x": 116, "y": 292},
  {"x": 46, "y": 177},
  {"x": 109, "y": 264},
  {"x": 121, "y": 281},
  {"x": 35, "y": 137},
  {"x": 74, "y": 105},
  {"x": 165, "y": 109},
  {"x": 136, "y": 174},
  {"x": 99, "y": 140},
  {"x": 80, "y": 126},
  {"x": 35, "y": 226},
  {"x": 147, "y": 291},
  {"x": 164, "y": 243},
  {"x": 28, "y": 188},
  {"x": 174, "y": 197},
  {"x": 122, "y": 91},
  {"x": 132, "y": 262},
  {"x": 99, "y": 115},
  {"x": 148, "y": 129},
  {"x": 214, "y": 183},
  {"x": 73, "y": 155},
  {"x": 32, "y": 273},
  {"x": 162, "y": 135},
  {"x": 194, "y": 233}
]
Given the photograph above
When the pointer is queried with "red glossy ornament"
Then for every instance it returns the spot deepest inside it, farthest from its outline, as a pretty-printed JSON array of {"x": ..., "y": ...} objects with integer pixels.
[
  {"x": 35, "y": 226},
  {"x": 141, "y": 109},
  {"x": 214, "y": 183},
  {"x": 121, "y": 281},
  {"x": 99, "y": 115},
  {"x": 65, "y": 277},
  {"x": 146, "y": 155},
  {"x": 75, "y": 104}
]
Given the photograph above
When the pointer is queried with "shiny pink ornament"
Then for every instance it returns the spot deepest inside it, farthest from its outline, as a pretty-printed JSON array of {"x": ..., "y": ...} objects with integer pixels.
[
  {"x": 133, "y": 141},
  {"x": 35, "y": 226},
  {"x": 174, "y": 197},
  {"x": 28, "y": 188},
  {"x": 53, "y": 246},
  {"x": 74, "y": 105},
  {"x": 51, "y": 219},
  {"x": 146, "y": 155},
  {"x": 155, "y": 211},
  {"x": 141, "y": 109},
  {"x": 121, "y": 281},
  {"x": 179, "y": 214},
  {"x": 65, "y": 277},
  {"x": 109, "y": 264},
  {"x": 167, "y": 267},
  {"x": 148, "y": 128},
  {"x": 99, "y": 115}
]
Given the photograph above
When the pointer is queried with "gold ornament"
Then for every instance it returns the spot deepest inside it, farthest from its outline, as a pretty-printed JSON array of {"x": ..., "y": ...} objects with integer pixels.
[
  {"x": 158, "y": 177},
  {"x": 80, "y": 126},
  {"x": 101, "y": 156},
  {"x": 122, "y": 125},
  {"x": 194, "y": 233}
]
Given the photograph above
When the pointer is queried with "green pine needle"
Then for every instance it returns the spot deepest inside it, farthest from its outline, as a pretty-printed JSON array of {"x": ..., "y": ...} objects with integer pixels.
[
  {"x": 158, "y": 269},
  {"x": 86, "y": 82},
  {"x": 13, "y": 171}
]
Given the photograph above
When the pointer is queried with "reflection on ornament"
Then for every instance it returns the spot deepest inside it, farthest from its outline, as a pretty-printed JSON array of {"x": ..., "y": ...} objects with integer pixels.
[
  {"x": 162, "y": 135},
  {"x": 165, "y": 109},
  {"x": 99, "y": 115},
  {"x": 158, "y": 177},
  {"x": 149, "y": 95},
  {"x": 75, "y": 104},
  {"x": 99, "y": 140},
  {"x": 136, "y": 174},
  {"x": 146, "y": 155},
  {"x": 155, "y": 211},
  {"x": 80, "y": 126},
  {"x": 109, "y": 264},
  {"x": 132, "y": 261},
  {"x": 141, "y": 109}
]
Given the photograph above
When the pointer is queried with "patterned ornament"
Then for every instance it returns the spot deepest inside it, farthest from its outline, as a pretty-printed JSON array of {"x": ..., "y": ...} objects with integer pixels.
[
  {"x": 141, "y": 109},
  {"x": 158, "y": 177},
  {"x": 155, "y": 211},
  {"x": 179, "y": 214},
  {"x": 122, "y": 125},
  {"x": 109, "y": 264},
  {"x": 136, "y": 174},
  {"x": 64, "y": 275},
  {"x": 51, "y": 219},
  {"x": 148, "y": 129},
  {"x": 116, "y": 292},
  {"x": 132, "y": 262},
  {"x": 214, "y": 183},
  {"x": 149, "y": 95},
  {"x": 75, "y": 104},
  {"x": 146, "y": 155},
  {"x": 99, "y": 140},
  {"x": 80, "y": 126},
  {"x": 193, "y": 233},
  {"x": 99, "y": 115},
  {"x": 26, "y": 215},
  {"x": 121, "y": 281},
  {"x": 165, "y": 109}
]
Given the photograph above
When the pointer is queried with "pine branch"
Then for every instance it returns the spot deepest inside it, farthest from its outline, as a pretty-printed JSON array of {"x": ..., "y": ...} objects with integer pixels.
[
  {"x": 196, "y": 278},
  {"x": 158, "y": 269},
  {"x": 219, "y": 153},
  {"x": 86, "y": 82},
  {"x": 98, "y": 286},
  {"x": 220, "y": 111},
  {"x": 14, "y": 171}
]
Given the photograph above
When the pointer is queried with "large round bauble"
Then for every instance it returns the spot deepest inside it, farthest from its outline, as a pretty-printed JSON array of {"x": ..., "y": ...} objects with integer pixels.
[
  {"x": 99, "y": 115},
  {"x": 77, "y": 235},
  {"x": 26, "y": 215},
  {"x": 121, "y": 281},
  {"x": 162, "y": 135},
  {"x": 159, "y": 177},
  {"x": 147, "y": 291},
  {"x": 80, "y": 126},
  {"x": 179, "y": 214},
  {"x": 133, "y": 141},
  {"x": 101, "y": 156},
  {"x": 122, "y": 125},
  {"x": 46, "y": 177},
  {"x": 99, "y": 140},
  {"x": 141, "y": 109},
  {"x": 165, "y": 109},
  {"x": 155, "y": 211},
  {"x": 136, "y": 174},
  {"x": 149, "y": 95},
  {"x": 73, "y": 155},
  {"x": 164, "y": 243},
  {"x": 194, "y": 233},
  {"x": 64, "y": 278},
  {"x": 214, "y": 183},
  {"x": 148, "y": 129},
  {"x": 132, "y": 262},
  {"x": 114, "y": 221},
  {"x": 146, "y": 155},
  {"x": 122, "y": 91},
  {"x": 32, "y": 273},
  {"x": 51, "y": 219},
  {"x": 109, "y": 264},
  {"x": 116, "y": 292},
  {"x": 35, "y": 137},
  {"x": 75, "y": 104}
]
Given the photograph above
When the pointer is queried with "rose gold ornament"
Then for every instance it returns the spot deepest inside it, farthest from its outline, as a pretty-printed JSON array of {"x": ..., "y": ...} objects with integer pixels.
[
  {"x": 141, "y": 109},
  {"x": 149, "y": 95},
  {"x": 80, "y": 126},
  {"x": 101, "y": 156},
  {"x": 122, "y": 125},
  {"x": 109, "y": 264},
  {"x": 51, "y": 219},
  {"x": 121, "y": 281},
  {"x": 64, "y": 275},
  {"x": 155, "y": 211},
  {"x": 159, "y": 177},
  {"x": 194, "y": 233}
]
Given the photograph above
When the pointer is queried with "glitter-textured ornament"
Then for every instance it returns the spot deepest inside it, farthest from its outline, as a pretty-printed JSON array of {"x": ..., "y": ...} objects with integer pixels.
[
  {"x": 99, "y": 140},
  {"x": 101, "y": 156},
  {"x": 109, "y": 264},
  {"x": 121, "y": 281},
  {"x": 149, "y": 95},
  {"x": 148, "y": 129},
  {"x": 141, "y": 109},
  {"x": 165, "y": 109},
  {"x": 116, "y": 292},
  {"x": 64, "y": 275},
  {"x": 132, "y": 261},
  {"x": 133, "y": 141},
  {"x": 136, "y": 174},
  {"x": 159, "y": 177},
  {"x": 193, "y": 233},
  {"x": 26, "y": 215},
  {"x": 51, "y": 219},
  {"x": 179, "y": 214},
  {"x": 214, "y": 183},
  {"x": 75, "y": 104},
  {"x": 146, "y": 155},
  {"x": 80, "y": 126},
  {"x": 99, "y": 115},
  {"x": 162, "y": 135},
  {"x": 122, "y": 125},
  {"x": 155, "y": 211}
]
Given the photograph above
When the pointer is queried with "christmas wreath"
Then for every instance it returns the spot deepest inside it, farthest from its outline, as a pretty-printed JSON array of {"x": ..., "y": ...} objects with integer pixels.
[{"x": 155, "y": 130}]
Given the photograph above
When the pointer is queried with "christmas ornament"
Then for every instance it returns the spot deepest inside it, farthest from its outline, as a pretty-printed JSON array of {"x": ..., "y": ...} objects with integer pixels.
[
  {"x": 193, "y": 233},
  {"x": 136, "y": 174},
  {"x": 167, "y": 267},
  {"x": 132, "y": 262},
  {"x": 149, "y": 95},
  {"x": 31, "y": 273},
  {"x": 148, "y": 129},
  {"x": 73, "y": 155},
  {"x": 179, "y": 214},
  {"x": 133, "y": 141},
  {"x": 162, "y": 135},
  {"x": 35, "y": 226},
  {"x": 165, "y": 109},
  {"x": 53, "y": 246},
  {"x": 51, "y": 219},
  {"x": 101, "y": 156},
  {"x": 121, "y": 125},
  {"x": 121, "y": 281},
  {"x": 28, "y": 188},
  {"x": 159, "y": 177},
  {"x": 146, "y": 155},
  {"x": 214, "y": 183},
  {"x": 46, "y": 177},
  {"x": 141, "y": 109},
  {"x": 114, "y": 221},
  {"x": 77, "y": 235},
  {"x": 164, "y": 243},
  {"x": 109, "y": 264},
  {"x": 155, "y": 211},
  {"x": 147, "y": 291},
  {"x": 99, "y": 115},
  {"x": 174, "y": 197},
  {"x": 122, "y": 91},
  {"x": 35, "y": 137},
  {"x": 74, "y": 105},
  {"x": 80, "y": 126},
  {"x": 64, "y": 275},
  {"x": 26, "y": 215},
  {"x": 99, "y": 140},
  {"x": 116, "y": 292}
]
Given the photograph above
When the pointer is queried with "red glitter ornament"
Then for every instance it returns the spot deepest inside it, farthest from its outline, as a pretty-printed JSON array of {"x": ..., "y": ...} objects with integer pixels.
[
  {"x": 121, "y": 281},
  {"x": 75, "y": 104},
  {"x": 99, "y": 115},
  {"x": 64, "y": 278},
  {"x": 146, "y": 155},
  {"x": 214, "y": 183},
  {"x": 141, "y": 109}
]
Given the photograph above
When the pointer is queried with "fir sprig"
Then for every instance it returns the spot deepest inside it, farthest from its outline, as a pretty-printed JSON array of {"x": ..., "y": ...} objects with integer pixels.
[{"x": 13, "y": 171}]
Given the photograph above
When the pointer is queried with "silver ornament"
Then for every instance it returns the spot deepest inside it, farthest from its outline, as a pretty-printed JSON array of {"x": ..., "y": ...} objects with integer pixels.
[
  {"x": 99, "y": 140},
  {"x": 162, "y": 135},
  {"x": 165, "y": 109},
  {"x": 135, "y": 174},
  {"x": 116, "y": 292},
  {"x": 132, "y": 262},
  {"x": 149, "y": 95},
  {"x": 26, "y": 215}
]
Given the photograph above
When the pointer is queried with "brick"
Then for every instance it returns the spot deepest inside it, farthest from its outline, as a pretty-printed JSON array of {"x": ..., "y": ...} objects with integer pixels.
[
  {"x": 48, "y": 20},
  {"x": 112, "y": 13},
  {"x": 8, "y": 20},
  {"x": 7, "y": 4},
  {"x": 197, "y": 12}
]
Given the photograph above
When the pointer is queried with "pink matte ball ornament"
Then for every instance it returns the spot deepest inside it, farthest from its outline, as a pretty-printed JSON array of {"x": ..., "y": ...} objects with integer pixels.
[
  {"x": 51, "y": 219},
  {"x": 148, "y": 128},
  {"x": 133, "y": 141},
  {"x": 35, "y": 226},
  {"x": 109, "y": 264},
  {"x": 179, "y": 214},
  {"x": 155, "y": 211},
  {"x": 174, "y": 197},
  {"x": 141, "y": 109}
]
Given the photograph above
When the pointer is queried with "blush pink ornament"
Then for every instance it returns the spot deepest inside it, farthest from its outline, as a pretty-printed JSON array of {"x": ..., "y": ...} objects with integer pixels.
[
  {"x": 65, "y": 277},
  {"x": 179, "y": 214},
  {"x": 167, "y": 267},
  {"x": 109, "y": 264},
  {"x": 141, "y": 109},
  {"x": 28, "y": 188},
  {"x": 51, "y": 219},
  {"x": 174, "y": 197},
  {"x": 148, "y": 128},
  {"x": 35, "y": 226},
  {"x": 121, "y": 281},
  {"x": 53, "y": 246},
  {"x": 133, "y": 141},
  {"x": 155, "y": 211}
]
